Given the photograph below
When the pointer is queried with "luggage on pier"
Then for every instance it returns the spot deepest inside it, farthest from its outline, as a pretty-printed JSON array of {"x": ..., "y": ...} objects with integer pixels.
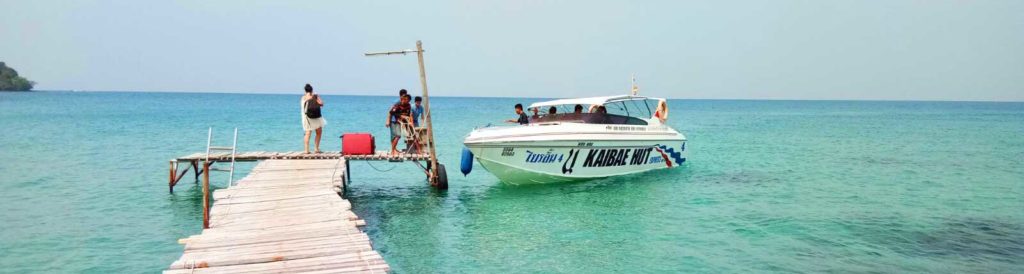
[{"x": 357, "y": 144}]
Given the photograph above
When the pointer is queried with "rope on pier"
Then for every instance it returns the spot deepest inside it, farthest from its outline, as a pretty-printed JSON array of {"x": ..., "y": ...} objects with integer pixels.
[{"x": 377, "y": 169}]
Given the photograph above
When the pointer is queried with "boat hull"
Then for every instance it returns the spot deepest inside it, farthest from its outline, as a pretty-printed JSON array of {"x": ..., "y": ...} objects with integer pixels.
[{"x": 535, "y": 162}]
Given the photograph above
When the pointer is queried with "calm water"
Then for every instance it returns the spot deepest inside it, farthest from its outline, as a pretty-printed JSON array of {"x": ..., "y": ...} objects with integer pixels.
[{"x": 787, "y": 186}]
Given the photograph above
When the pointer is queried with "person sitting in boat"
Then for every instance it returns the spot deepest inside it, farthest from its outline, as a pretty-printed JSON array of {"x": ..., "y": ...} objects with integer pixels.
[
  {"x": 522, "y": 116},
  {"x": 399, "y": 114},
  {"x": 578, "y": 109},
  {"x": 661, "y": 112},
  {"x": 552, "y": 111}
]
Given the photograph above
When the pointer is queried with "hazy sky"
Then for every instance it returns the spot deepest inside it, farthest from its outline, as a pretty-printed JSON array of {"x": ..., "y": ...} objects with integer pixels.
[{"x": 925, "y": 50}]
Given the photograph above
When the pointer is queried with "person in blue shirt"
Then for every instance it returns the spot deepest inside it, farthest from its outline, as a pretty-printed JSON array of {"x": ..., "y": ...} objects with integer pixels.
[{"x": 417, "y": 111}]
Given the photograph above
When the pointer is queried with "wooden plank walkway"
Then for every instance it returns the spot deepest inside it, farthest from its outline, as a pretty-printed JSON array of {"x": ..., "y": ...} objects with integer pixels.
[
  {"x": 267, "y": 155},
  {"x": 285, "y": 217}
]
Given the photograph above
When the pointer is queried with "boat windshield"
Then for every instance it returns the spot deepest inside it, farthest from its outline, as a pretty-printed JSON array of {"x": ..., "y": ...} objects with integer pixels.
[
  {"x": 622, "y": 112},
  {"x": 589, "y": 118},
  {"x": 633, "y": 108}
]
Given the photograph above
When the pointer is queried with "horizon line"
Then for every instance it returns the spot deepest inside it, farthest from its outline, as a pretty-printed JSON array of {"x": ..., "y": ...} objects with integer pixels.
[{"x": 534, "y": 97}]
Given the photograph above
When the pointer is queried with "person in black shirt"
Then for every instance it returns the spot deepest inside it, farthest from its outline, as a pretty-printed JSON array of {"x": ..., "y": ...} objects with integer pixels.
[{"x": 522, "y": 116}]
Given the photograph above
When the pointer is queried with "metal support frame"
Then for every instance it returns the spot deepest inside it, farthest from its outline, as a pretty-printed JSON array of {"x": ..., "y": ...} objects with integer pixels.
[
  {"x": 233, "y": 149},
  {"x": 206, "y": 171}
]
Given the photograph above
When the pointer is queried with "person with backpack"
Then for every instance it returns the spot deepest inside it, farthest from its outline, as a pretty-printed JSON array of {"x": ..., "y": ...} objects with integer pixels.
[{"x": 312, "y": 119}]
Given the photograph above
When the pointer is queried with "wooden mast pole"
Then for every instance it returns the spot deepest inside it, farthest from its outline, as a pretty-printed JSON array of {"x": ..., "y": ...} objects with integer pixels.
[{"x": 426, "y": 114}]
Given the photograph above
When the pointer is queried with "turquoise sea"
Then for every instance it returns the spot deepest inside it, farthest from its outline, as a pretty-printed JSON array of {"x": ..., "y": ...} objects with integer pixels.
[{"x": 769, "y": 186}]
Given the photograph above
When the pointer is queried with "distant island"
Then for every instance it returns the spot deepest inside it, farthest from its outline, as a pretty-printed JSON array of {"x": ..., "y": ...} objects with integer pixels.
[{"x": 10, "y": 81}]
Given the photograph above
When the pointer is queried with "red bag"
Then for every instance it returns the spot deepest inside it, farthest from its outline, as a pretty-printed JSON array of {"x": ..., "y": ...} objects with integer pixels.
[{"x": 357, "y": 144}]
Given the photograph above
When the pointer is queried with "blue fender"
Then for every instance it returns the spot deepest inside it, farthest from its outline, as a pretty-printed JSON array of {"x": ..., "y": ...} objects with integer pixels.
[{"x": 467, "y": 161}]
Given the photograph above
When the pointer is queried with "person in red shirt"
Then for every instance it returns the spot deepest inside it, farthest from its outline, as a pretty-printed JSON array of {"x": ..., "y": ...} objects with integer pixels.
[{"x": 399, "y": 114}]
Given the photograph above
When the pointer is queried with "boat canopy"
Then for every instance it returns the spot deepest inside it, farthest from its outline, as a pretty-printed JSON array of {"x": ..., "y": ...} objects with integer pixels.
[{"x": 590, "y": 101}]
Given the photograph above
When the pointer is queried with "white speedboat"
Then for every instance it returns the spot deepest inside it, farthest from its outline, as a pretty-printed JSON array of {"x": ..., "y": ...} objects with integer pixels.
[{"x": 613, "y": 135}]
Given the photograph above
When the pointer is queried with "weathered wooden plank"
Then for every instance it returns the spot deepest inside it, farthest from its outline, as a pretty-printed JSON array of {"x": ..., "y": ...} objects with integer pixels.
[
  {"x": 294, "y": 214},
  {"x": 275, "y": 202},
  {"x": 272, "y": 192},
  {"x": 290, "y": 177},
  {"x": 242, "y": 208},
  {"x": 363, "y": 262},
  {"x": 283, "y": 197},
  {"x": 278, "y": 209},
  {"x": 340, "y": 240},
  {"x": 235, "y": 222},
  {"x": 255, "y": 238},
  {"x": 262, "y": 255},
  {"x": 282, "y": 187},
  {"x": 214, "y": 233}
]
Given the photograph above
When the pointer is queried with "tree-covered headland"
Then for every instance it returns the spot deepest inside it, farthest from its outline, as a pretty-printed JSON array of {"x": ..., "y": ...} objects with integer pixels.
[{"x": 10, "y": 81}]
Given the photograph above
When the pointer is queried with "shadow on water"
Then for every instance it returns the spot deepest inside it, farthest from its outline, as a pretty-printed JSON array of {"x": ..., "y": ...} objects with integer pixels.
[
  {"x": 971, "y": 239},
  {"x": 897, "y": 243}
]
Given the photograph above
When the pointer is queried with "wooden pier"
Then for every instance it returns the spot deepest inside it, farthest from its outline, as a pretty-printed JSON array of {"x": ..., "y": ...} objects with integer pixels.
[
  {"x": 285, "y": 216},
  {"x": 288, "y": 215}
]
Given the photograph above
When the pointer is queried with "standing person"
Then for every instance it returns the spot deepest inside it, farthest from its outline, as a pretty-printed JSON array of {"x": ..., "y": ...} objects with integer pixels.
[
  {"x": 417, "y": 111},
  {"x": 661, "y": 112},
  {"x": 312, "y": 119},
  {"x": 398, "y": 114},
  {"x": 401, "y": 93},
  {"x": 522, "y": 116}
]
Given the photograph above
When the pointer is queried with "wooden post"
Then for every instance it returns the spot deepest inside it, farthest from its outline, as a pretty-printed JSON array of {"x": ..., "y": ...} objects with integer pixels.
[
  {"x": 195, "y": 169},
  {"x": 206, "y": 195},
  {"x": 171, "y": 181},
  {"x": 426, "y": 115}
]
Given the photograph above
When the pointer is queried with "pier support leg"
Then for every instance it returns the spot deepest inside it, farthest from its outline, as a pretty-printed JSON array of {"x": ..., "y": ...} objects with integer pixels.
[
  {"x": 195, "y": 169},
  {"x": 348, "y": 172},
  {"x": 206, "y": 195},
  {"x": 171, "y": 181}
]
